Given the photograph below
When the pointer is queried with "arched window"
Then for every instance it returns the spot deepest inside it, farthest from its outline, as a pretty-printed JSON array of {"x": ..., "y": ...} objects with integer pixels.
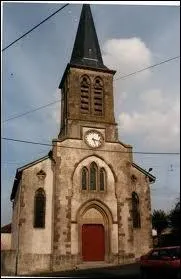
[
  {"x": 135, "y": 211},
  {"x": 39, "y": 208},
  {"x": 98, "y": 97},
  {"x": 84, "y": 178},
  {"x": 85, "y": 95},
  {"x": 93, "y": 176},
  {"x": 102, "y": 179}
]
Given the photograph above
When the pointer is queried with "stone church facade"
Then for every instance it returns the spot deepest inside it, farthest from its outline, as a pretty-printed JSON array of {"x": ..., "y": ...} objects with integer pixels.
[{"x": 86, "y": 201}]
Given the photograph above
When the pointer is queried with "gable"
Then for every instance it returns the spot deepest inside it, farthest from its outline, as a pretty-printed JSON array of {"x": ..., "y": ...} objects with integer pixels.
[{"x": 19, "y": 173}]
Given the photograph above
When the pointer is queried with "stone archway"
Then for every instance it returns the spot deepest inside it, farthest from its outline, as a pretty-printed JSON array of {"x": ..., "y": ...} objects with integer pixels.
[{"x": 94, "y": 224}]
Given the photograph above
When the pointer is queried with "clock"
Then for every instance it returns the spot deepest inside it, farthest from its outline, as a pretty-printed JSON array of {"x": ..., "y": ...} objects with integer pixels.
[{"x": 93, "y": 138}]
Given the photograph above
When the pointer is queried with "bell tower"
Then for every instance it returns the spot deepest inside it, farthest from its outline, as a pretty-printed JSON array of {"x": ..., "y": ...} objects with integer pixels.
[{"x": 87, "y": 85}]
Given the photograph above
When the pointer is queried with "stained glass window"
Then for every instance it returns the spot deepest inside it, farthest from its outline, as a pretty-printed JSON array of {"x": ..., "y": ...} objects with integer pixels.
[
  {"x": 39, "y": 209},
  {"x": 102, "y": 179},
  {"x": 135, "y": 211},
  {"x": 84, "y": 178},
  {"x": 93, "y": 176}
]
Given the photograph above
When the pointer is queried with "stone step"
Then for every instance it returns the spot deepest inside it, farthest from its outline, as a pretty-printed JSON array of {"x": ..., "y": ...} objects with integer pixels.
[{"x": 87, "y": 265}]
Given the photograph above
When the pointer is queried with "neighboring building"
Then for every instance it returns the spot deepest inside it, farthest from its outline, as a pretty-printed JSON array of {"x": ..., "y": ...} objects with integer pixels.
[
  {"x": 6, "y": 237},
  {"x": 154, "y": 232},
  {"x": 86, "y": 200}
]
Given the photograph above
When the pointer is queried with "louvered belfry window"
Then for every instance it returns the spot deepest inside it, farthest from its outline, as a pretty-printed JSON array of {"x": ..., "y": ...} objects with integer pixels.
[
  {"x": 39, "y": 208},
  {"x": 85, "y": 95},
  {"x": 98, "y": 97}
]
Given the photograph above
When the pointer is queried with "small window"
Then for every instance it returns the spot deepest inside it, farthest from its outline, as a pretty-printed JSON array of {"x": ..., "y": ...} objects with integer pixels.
[
  {"x": 93, "y": 176},
  {"x": 102, "y": 179},
  {"x": 39, "y": 209},
  {"x": 135, "y": 211},
  {"x": 84, "y": 178},
  {"x": 133, "y": 178}
]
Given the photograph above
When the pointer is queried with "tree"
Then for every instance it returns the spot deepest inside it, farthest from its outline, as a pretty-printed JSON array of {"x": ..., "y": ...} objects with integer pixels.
[
  {"x": 159, "y": 220},
  {"x": 174, "y": 219}
]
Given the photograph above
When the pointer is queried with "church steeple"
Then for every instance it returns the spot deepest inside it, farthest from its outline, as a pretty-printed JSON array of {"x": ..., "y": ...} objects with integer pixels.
[
  {"x": 86, "y": 50},
  {"x": 87, "y": 85}
]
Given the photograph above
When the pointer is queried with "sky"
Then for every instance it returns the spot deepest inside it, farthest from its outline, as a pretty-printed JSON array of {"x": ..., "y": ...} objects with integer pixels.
[{"x": 147, "y": 104}]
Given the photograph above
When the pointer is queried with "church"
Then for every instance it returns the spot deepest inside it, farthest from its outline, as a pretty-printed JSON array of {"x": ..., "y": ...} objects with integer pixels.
[{"x": 87, "y": 200}]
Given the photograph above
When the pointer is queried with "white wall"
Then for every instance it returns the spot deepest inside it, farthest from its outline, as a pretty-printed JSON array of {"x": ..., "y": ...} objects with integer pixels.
[
  {"x": 6, "y": 241},
  {"x": 36, "y": 240}
]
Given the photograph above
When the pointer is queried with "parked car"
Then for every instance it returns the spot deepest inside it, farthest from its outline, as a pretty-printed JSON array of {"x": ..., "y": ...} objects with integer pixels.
[{"x": 161, "y": 263}]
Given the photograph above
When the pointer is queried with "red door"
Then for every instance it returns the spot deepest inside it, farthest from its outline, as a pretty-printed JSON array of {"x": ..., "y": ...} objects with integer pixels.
[{"x": 93, "y": 242}]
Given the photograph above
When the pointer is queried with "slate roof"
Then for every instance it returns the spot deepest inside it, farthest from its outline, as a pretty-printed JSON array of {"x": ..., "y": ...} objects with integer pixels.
[
  {"x": 86, "y": 50},
  {"x": 6, "y": 229}
]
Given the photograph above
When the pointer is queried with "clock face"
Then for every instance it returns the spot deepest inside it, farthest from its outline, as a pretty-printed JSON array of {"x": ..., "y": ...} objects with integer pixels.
[{"x": 93, "y": 138}]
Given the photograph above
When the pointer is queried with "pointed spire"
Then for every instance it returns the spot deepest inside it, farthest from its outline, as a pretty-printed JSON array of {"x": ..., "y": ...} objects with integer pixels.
[{"x": 86, "y": 50}]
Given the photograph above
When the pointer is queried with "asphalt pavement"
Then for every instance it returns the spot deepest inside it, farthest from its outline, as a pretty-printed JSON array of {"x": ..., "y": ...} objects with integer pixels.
[{"x": 129, "y": 271}]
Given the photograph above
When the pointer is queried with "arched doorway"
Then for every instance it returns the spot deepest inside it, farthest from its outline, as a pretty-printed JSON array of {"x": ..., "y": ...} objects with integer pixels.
[{"x": 95, "y": 223}]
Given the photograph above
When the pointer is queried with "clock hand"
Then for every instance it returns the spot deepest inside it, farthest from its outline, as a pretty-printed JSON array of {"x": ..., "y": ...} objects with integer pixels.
[{"x": 94, "y": 139}]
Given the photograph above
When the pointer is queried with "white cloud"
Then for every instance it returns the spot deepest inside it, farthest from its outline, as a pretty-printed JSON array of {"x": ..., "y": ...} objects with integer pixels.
[
  {"x": 127, "y": 55},
  {"x": 154, "y": 99},
  {"x": 149, "y": 115},
  {"x": 156, "y": 122},
  {"x": 56, "y": 114}
]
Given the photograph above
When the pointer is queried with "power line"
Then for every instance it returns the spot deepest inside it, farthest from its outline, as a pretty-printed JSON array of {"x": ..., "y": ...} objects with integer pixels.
[
  {"x": 144, "y": 69},
  {"x": 73, "y": 147},
  {"x": 35, "y": 27},
  {"x": 49, "y": 104},
  {"x": 25, "y": 141},
  {"x": 153, "y": 166},
  {"x": 30, "y": 111}
]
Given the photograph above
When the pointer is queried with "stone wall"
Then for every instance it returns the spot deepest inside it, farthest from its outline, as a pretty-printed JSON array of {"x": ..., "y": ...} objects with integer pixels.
[
  {"x": 32, "y": 263},
  {"x": 8, "y": 262},
  {"x": 143, "y": 241},
  {"x": 24, "y": 263}
]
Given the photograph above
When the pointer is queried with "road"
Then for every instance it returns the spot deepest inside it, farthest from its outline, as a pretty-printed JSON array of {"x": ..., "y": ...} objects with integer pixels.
[{"x": 130, "y": 271}]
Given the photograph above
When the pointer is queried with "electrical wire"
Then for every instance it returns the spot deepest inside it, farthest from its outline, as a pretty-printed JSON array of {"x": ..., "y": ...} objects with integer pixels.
[
  {"x": 122, "y": 77},
  {"x": 149, "y": 67},
  {"x": 34, "y": 27},
  {"x": 80, "y": 148},
  {"x": 30, "y": 111}
]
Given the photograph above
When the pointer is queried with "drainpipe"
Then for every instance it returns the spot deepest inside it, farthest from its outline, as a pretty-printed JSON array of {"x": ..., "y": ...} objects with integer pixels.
[{"x": 17, "y": 248}]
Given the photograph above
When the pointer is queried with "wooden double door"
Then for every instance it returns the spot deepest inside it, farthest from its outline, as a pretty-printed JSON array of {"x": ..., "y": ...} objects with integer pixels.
[{"x": 93, "y": 242}]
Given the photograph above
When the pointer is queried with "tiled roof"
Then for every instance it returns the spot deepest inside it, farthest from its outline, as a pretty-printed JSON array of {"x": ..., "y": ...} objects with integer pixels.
[{"x": 6, "y": 229}]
